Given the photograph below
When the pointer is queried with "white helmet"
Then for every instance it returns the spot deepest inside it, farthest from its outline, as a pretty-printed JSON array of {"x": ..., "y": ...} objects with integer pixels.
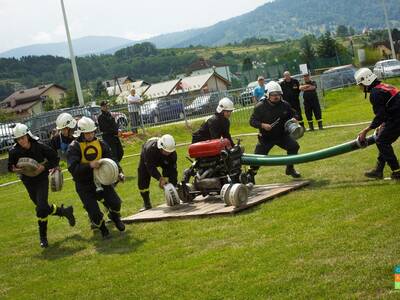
[
  {"x": 225, "y": 104},
  {"x": 21, "y": 129},
  {"x": 65, "y": 120},
  {"x": 167, "y": 143},
  {"x": 272, "y": 87},
  {"x": 86, "y": 125},
  {"x": 364, "y": 76}
]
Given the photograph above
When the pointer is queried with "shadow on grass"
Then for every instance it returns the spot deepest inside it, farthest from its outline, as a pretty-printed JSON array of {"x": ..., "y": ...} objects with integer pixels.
[
  {"x": 328, "y": 184},
  {"x": 116, "y": 243},
  {"x": 58, "y": 249}
]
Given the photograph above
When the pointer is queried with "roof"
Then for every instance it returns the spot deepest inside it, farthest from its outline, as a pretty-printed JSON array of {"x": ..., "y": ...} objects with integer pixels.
[
  {"x": 120, "y": 80},
  {"x": 21, "y": 107},
  {"x": 162, "y": 89},
  {"x": 139, "y": 83},
  {"x": 29, "y": 95},
  {"x": 203, "y": 64}
]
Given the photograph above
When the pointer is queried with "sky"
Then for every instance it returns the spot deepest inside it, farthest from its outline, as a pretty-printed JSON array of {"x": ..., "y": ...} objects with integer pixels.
[{"x": 26, "y": 22}]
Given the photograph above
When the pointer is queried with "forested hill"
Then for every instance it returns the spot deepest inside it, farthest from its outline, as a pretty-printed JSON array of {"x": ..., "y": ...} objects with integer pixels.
[{"x": 283, "y": 19}]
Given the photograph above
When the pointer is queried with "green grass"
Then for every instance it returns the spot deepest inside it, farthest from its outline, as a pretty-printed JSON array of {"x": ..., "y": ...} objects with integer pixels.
[{"x": 337, "y": 238}]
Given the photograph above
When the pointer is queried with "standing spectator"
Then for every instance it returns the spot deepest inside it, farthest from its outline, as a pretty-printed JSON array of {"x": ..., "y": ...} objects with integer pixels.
[
  {"x": 311, "y": 102},
  {"x": 134, "y": 102},
  {"x": 291, "y": 91},
  {"x": 259, "y": 90},
  {"x": 109, "y": 130}
]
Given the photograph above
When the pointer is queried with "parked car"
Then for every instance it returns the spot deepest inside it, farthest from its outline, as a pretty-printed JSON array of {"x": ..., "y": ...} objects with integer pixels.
[
  {"x": 6, "y": 136},
  {"x": 203, "y": 104},
  {"x": 158, "y": 111},
  {"x": 387, "y": 68},
  {"x": 338, "y": 77}
]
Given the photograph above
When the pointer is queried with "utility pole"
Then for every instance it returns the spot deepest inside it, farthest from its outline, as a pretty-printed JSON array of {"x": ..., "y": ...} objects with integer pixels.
[
  {"x": 388, "y": 28},
  {"x": 72, "y": 56}
]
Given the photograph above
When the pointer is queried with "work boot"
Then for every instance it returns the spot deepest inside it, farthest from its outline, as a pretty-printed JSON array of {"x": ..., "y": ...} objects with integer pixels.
[
  {"x": 320, "y": 127},
  {"x": 251, "y": 174},
  {"x": 67, "y": 212},
  {"x": 116, "y": 218},
  {"x": 146, "y": 201},
  {"x": 395, "y": 175},
  {"x": 292, "y": 172},
  {"x": 43, "y": 234},
  {"x": 311, "y": 126},
  {"x": 103, "y": 229},
  {"x": 377, "y": 172}
]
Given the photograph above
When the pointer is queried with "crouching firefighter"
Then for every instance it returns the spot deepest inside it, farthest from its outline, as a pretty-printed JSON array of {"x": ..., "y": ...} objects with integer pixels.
[
  {"x": 37, "y": 183},
  {"x": 385, "y": 100},
  {"x": 65, "y": 125},
  {"x": 270, "y": 116},
  {"x": 218, "y": 125},
  {"x": 157, "y": 152},
  {"x": 83, "y": 156}
]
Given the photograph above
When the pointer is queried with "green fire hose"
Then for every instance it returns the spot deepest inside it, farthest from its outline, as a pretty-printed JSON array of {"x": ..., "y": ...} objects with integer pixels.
[{"x": 266, "y": 160}]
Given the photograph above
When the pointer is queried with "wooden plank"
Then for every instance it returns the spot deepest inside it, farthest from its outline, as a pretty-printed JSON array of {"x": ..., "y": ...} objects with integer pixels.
[{"x": 213, "y": 206}]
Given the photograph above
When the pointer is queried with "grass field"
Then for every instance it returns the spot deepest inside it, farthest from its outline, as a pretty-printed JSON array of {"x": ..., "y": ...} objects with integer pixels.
[{"x": 337, "y": 238}]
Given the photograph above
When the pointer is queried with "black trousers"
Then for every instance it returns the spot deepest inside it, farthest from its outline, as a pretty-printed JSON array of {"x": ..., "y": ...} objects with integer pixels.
[
  {"x": 388, "y": 135},
  {"x": 144, "y": 177},
  {"x": 285, "y": 142},
  {"x": 135, "y": 120},
  {"x": 116, "y": 147},
  {"x": 312, "y": 106},
  {"x": 295, "y": 103},
  {"x": 89, "y": 197},
  {"x": 39, "y": 193}
]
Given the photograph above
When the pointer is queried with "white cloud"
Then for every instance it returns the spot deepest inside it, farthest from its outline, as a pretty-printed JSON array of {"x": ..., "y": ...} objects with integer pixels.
[{"x": 41, "y": 37}]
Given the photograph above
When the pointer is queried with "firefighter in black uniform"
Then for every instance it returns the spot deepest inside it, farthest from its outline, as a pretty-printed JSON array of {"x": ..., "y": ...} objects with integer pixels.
[
  {"x": 157, "y": 152},
  {"x": 65, "y": 125},
  {"x": 291, "y": 92},
  {"x": 311, "y": 102},
  {"x": 385, "y": 100},
  {"x": 109, "y": 129},
  {"x": 83, "y": 156},
  {"x": 27, "y": 145},
  {"x": 218, "y": 125},
  {"x": 269, "y": 117}
]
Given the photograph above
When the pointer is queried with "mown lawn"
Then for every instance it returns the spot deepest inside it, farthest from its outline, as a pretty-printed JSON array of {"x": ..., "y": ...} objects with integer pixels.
[{"x": 337, "y": 238}]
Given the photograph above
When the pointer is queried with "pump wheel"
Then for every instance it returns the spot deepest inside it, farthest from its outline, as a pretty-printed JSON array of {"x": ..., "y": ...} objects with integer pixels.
[
  {"x": 225, "y": 193},
  {"x": 238, "y": 195}
]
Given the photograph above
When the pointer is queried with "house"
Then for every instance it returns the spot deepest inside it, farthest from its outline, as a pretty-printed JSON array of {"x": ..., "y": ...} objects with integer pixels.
[
  {"x": 31, "y": 101},
  {"x": 209, "y": 82},
  {"x": 126, "y": 87},
  {"x": 117, "y": 81},
  {"x": 203, "y": 66},
  {"x": 386, "y": 50},
  {"x": 163, "y": 89}
]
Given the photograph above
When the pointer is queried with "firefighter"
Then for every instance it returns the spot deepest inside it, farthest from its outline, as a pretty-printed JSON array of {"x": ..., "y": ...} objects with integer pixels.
[
  {"x": 218, "y": 125},
  {"x": 110, "y": 130},
  {"x": 385, "y": 100},
  {"x": 311, "y": 102},
  {"x": 157, "y": 152},
  {"x": 83, "y": 156},
  {"x": 27, "y": 145},
  {"x": 291, "y": 91},
  {"x": 269, "y": 116},
  {"x": 65, "y": 125}
]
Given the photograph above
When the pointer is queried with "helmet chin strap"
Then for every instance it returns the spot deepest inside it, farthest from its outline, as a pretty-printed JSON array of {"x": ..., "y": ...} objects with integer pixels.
[{"x": 365, "y": 92}]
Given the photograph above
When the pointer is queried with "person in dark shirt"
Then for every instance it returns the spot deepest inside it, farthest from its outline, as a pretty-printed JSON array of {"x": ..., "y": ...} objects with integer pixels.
[
  {"x": 83, "y": 156},
  {"x": 291, "y": 92},
  {"x": 28, "y": 146},
  {"x": 385, "y": 100},
  {"x": 218, "y": 125},
  {"x": 270, "y": 116},
  {"x": 311, "y": 102},
  {"x": 157, "y": 152},
  {"x": 109, "y": 130},
  {"x": 65, "y": 126}
]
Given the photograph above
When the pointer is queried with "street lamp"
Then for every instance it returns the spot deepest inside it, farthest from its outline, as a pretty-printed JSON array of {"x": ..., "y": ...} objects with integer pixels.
[
  {"x": 72, "y": 56},
  {"x": 388, "y": 28}
]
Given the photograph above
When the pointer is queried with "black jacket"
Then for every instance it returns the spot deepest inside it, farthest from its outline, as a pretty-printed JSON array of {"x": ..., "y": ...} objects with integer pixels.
[
  {"x": 385, "y": 104},
  {"x": 291, "y": 90},
  {"x": 215, "y": 127},
  {"x": 152, "y": 158},
  {"x": 107, "y": 124},
  {"x": 311, "y": 95},
  {"x": 39, "y": 152},
  {"x": 266, "y": 112},
  {"x": 61, "y": 142},
  {"x": 81, "y": 172}
]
